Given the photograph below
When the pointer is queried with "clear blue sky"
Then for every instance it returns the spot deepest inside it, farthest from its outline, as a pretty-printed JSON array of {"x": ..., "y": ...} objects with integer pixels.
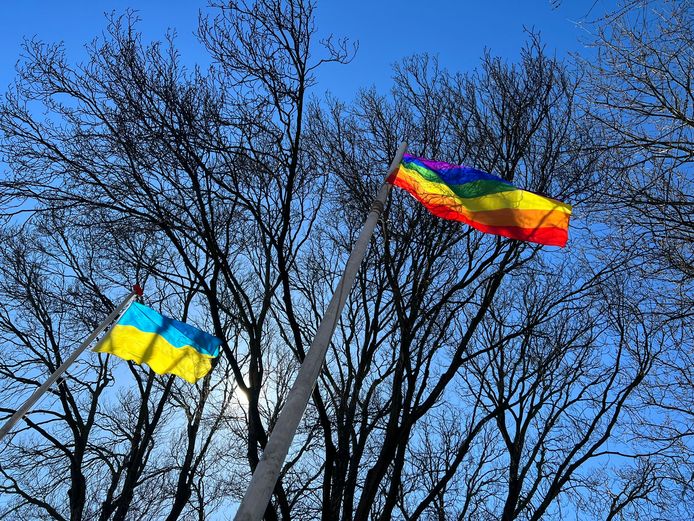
[{"x": 456, "y": 30}]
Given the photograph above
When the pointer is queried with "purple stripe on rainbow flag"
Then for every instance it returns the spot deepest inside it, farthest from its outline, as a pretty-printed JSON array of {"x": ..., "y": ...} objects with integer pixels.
[{"x": 496, "y": 206}]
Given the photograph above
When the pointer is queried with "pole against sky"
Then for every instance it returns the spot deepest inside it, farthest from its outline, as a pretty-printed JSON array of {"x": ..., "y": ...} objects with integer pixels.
[{"x": 457, "y": 31}]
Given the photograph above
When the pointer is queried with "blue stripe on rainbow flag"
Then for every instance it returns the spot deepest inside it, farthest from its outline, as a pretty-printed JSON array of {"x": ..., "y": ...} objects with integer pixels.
[{"x": 453, "y": 174}]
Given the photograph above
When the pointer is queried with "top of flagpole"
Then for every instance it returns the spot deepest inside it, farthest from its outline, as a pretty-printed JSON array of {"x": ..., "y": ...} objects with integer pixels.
[{"x": 395, "y": 164}]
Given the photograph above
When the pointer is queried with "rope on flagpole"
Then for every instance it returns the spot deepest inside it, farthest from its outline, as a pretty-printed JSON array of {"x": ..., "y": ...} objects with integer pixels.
[
  {"x": 268, "y": 469},
  {"x": 39, "y": 392}
]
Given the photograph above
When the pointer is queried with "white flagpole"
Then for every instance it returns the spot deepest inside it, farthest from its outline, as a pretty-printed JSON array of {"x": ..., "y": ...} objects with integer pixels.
[
  {"x": 268, "y": 469},
  {"x": 19, "y": 414}
]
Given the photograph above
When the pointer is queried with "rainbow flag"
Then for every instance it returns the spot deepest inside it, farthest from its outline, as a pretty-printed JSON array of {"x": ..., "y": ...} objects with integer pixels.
[
  {"x": 166, "y": 345},
  {"x": 484, "y": 201}
]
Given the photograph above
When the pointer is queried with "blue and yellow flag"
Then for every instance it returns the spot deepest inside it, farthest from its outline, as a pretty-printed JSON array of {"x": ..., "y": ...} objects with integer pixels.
[{"x": 166, "y": 345}]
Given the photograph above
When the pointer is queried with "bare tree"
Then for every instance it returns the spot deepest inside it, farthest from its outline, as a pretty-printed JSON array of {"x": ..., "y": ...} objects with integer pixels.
[
  {"x": 470, "y": 377},
  {"x": 204, "y": 170},
  {"x": 431, "y": 289},
  {"x": 640, "y": 92},
  {"x": 78, "y": 443}
]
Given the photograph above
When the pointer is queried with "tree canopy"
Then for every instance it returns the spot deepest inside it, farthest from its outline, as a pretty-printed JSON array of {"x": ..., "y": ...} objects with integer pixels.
[{"x": 470, "y": 376}]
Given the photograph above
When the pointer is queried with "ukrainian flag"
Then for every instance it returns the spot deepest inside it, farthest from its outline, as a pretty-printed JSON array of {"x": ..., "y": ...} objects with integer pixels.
[{"x": 166, "y": 345}]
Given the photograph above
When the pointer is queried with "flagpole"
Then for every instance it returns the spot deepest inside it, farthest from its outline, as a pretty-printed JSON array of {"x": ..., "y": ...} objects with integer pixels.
[
  {"x": 268, "y": 469},
  {"x": 36, "y": 395}
]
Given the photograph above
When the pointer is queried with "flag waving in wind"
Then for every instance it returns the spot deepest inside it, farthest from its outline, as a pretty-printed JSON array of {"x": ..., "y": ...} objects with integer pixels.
[
  {"x": 484, "y": 201},
  {"x": 164, "y": 344}
]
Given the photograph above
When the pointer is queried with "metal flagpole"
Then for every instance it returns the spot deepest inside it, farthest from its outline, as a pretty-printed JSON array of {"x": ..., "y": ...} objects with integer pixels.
[
  {"x": 268, "y": 469},
  {"x": 19, "y": 414}
]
